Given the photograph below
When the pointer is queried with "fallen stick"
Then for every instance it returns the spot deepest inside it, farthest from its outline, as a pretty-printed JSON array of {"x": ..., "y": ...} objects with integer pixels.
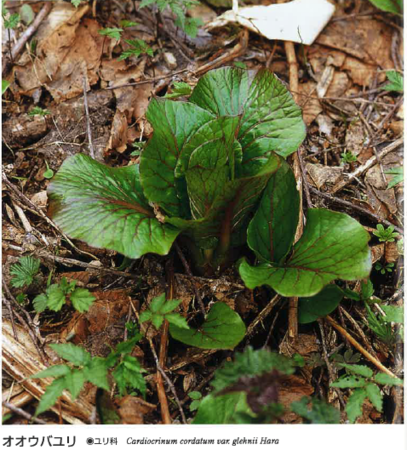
[
  {"x": 367, "y": 165},
  {"x": 17, "y": 49},
  {"x": 360, "y": 349}
]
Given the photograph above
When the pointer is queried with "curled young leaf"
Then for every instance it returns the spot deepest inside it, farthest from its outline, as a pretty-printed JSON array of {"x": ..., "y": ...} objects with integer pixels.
[{"x": 271, "y": 232}]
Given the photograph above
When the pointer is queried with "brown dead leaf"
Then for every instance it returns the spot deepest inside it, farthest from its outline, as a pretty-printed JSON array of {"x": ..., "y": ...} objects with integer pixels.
[
  {"x": 109, "y": 308},
  {"x": 321, "y": 175},
  {"x": 133, "y": 409},
  {"x": 23, "y": 130},
  {"x": 304, "y": 345},
  {"x": 377, "y": 252},
  {"x": 82, "y": 278},
  {"x": 367, "y": 44},
  {"x": 40, "y": 199},
  {"x": 292, "y": 389},
  {"x": 379, "y": 196},
  {"x": 308, "y": 101},
  {"x": 355, "y": 138},
  {"x": 63, "y": 55},
  {"x": 391, "y": 253}
]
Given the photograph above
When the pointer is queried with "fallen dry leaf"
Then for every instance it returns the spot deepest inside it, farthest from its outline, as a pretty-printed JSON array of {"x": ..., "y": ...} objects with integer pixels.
[
  {"x": 133, "y": 409},
  {"x": 321, "y": 175}
]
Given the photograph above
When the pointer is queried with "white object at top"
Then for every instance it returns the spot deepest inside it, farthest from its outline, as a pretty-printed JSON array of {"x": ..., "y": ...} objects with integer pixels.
[{"x": 297, "y": 21}]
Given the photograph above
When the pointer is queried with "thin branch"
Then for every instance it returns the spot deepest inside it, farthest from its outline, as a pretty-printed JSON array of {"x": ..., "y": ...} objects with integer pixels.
[
  {"x": 88, "y": 127},
  {"x": 357, "y": 208},
  {"x": 22, "y": 413},
  {"x": 26, "y": 36},
  {"x": 359, "y": 348}
]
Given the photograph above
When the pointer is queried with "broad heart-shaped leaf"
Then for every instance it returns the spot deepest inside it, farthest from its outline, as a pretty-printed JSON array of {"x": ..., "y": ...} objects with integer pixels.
[
  {"x": 222, "y": 329},
  {"x": 105, "y": 207},
  {"x": 320, "y": 305},
  {"x": 333, "y": 246},
  {"x": 269, "y": 118},
  {"x": 271, "y": 232}
]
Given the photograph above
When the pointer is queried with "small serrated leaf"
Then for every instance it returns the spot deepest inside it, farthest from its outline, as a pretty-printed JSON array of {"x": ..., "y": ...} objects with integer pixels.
[
  {"x": 157, "y": 303},
  {"x": 51, "y": 395},
  {"x": 53, "y": 371},
  {"x": 374, "y": 395},
  {"x": 96, "y": 373},
  {"x": 354, "y": 405},
  {"x": 74, "y": 382},
  {"x": 72, "y": 353},
  {"x": 56, "y": 297},
  {"x": 177, "y": 320},
  {"x": 40, "y": 303},
  {"x": 384, "y": 378},
  {"x": 349, "y": 382},
  {"x": 82, "y": 299},
  {"x": 364, "y": 371}
]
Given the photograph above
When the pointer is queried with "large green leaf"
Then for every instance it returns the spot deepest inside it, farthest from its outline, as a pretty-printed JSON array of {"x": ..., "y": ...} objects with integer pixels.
[
  {"x": 222, "y": 329},
  {"x": 105, "y": 207},
  {"x": 269, "y": 118},
  {"x": 271, "y": 232},
  {"x": 320, "y": 305},
  {"x": 333, "y": 246}
]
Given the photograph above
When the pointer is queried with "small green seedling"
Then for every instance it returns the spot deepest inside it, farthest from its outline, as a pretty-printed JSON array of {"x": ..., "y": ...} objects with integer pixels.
[
  {"x": 348, "y": 157},
  {"x": 179, "y": 7},
  {"x": 76, "y": 3},
  {"x": 138, "y": 145},
  {"x": 365, "y": 294},
  {"x": 4, "y": 86},
  {"x": 396, "y": 82},
  {"x": 137, "y": 47},
  {"x": 24, "y": 272},
  {"x": 112, "y": 33},
  {"x": 384, "y": 268},
  {"x": 127, "y": 372},
  {"x": 128, "y": 24},
  {"x": 381, "y": 325},
  {"x": 49, "y": 173},
  {"x": 365, "y": 385},
  {"x": 398, "y": 176},
  {"x": 11, "y": 21},
  {"x": 56, "y": 296},
  {"x": 347, "y": 358},
  {"x": 179, "y": 89},
  {"x": 385, "y": 235},
  {"x": 160, "y": 310},
  {"x": 37, "y": 111},
  {"x": 196, "y": 400},
  {"x": 316, "y": 411}
]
